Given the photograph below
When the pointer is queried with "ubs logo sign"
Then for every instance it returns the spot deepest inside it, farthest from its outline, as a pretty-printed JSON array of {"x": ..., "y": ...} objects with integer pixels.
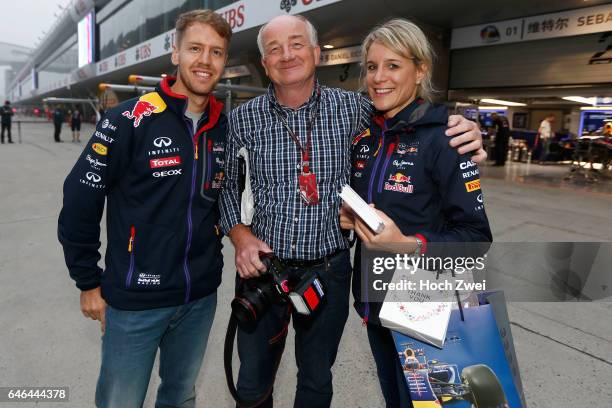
[{"x": 162, "y": 142}]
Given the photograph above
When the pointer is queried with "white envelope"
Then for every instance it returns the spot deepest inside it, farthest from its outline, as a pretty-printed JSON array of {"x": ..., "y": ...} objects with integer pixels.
[{"x": 420, "y": 319}]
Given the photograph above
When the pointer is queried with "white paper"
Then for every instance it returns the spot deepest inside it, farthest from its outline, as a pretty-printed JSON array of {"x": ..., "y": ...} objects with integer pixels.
[{"x": 420, "y": 319}]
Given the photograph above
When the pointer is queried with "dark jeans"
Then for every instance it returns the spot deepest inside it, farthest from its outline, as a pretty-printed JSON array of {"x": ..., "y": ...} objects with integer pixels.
[
  {"x": 7, "y": 127},
  {"x": 390, "y": 373},
  {"x": 58, "y": 130},
  {"x": 316, "y": 342}
]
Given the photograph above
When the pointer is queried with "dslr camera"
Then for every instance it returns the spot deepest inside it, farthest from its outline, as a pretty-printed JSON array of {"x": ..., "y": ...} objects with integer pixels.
[{"x": 278, "y": 284}]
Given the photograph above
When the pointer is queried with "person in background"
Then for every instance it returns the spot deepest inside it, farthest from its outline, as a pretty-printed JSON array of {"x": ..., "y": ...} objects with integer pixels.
[
  {"x": 502, "y": 135},
  {"x": 545, "y": 135},
  {"x": 75, "y": 125},
  {"x": 58, "y": 119},
  {"x": 6, "y": 112},
  {"x": 423, "y": 189}
]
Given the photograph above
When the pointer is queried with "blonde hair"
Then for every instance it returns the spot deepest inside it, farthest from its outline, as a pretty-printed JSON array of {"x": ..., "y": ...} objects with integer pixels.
[{"x": 408, "y": 40}]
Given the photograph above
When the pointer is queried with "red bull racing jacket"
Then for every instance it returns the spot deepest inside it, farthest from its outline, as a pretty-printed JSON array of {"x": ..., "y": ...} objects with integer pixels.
[
  {"x": 405, "y": 166},
  {"x": 160, "y": 182}
]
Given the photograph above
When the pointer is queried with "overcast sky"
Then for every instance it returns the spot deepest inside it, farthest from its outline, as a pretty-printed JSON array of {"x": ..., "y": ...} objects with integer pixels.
[{"x": 23, "y": 21}]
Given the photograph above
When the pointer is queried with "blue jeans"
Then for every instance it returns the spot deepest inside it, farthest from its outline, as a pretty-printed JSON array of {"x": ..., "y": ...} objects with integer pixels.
[
  {"x": 316, "y": 342},
  {"x": 129, "y": 346},
  {"x": 390, "y": 373}
]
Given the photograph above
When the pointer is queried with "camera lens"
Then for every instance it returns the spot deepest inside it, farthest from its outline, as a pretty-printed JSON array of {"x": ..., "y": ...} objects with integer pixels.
[{"x": 249, "y": 307}]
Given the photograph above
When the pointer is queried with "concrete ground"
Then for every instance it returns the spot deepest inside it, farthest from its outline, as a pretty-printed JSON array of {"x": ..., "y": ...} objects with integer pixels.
[{"x": 564, "y": 350}]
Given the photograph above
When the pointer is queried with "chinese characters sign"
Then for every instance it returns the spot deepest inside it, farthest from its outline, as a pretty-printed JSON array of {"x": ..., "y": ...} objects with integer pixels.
[{"x": 568, "y": 23}]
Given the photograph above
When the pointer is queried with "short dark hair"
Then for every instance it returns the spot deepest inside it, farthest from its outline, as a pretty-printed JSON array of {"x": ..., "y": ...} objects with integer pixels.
[{"x": 205, "y": 16}]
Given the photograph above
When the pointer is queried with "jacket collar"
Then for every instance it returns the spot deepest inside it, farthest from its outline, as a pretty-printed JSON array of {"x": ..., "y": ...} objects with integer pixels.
[
  {"x": 178, "y": 103},
  {"x": 404, "y": 118}
]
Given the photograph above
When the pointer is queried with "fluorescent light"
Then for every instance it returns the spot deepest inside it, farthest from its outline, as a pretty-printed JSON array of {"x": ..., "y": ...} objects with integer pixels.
[
  {"x": 492, "y": 107},
  {"x": 328, "y": 46},
  {"x": 500, "y": 102},
  {"x": 597, "y": 108},
  {"x": 581, "y": 99}
]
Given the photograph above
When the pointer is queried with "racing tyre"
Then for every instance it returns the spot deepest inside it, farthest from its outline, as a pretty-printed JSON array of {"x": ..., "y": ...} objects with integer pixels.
[{"x": 485, "y": 389}]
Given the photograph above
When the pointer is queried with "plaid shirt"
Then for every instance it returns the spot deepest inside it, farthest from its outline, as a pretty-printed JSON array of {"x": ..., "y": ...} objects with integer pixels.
[{"x": 292, "y": 229}]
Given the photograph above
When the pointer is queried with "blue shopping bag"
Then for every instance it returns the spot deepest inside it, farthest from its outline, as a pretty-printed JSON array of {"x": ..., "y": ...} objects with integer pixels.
[{"x": 472, "y": 364}]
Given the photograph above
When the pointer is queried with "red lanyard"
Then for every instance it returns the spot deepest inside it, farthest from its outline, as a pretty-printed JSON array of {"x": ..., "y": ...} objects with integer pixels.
[{"x": 305, "y": 151}]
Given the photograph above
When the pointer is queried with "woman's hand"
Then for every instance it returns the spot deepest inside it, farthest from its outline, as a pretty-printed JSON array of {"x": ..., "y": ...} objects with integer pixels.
[
  {"x": 347, "y": 218},
  {"x": 389, "y": 239}
]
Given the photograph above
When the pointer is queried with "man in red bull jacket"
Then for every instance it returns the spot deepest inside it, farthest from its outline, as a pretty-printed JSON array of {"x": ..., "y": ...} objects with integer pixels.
[{"x": 157, "y": 161}]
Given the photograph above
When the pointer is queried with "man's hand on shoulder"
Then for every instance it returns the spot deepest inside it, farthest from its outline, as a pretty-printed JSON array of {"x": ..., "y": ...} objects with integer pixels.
[
  {"x": 466, "y": 136},
  {"x": 93, "y": 306},
  {"x": 248, "y": 247}
]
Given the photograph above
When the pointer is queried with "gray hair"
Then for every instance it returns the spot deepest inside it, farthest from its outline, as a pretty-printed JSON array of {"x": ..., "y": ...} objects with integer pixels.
[
  {"x": 312, "y": 33},
  {"x": 408, "y": 40}
]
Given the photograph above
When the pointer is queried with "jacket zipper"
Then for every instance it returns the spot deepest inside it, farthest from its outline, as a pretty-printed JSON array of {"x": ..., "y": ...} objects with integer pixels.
[
  {"x": 381, "y": 179},
  {"x": 206, "y": 177},
  {"x": 373, "y": 174},
  {"x": 366, "y": 316},
  {"x": 189, "y": 218},
  {"x": 128, "y": 280}
]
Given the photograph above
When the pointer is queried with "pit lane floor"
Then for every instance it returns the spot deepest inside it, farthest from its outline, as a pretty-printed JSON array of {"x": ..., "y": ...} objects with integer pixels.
[{"x": 563, "y": 349}]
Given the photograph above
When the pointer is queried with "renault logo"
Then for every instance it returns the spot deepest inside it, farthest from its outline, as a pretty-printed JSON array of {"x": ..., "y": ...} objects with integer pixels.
[
  {"x": 93, "y": 177},
  {"x": 162, "y": 142}
]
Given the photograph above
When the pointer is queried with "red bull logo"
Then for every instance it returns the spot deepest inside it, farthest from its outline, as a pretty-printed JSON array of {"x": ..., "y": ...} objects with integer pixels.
[
  {"x": 145, "y": 106},
  {"x": 399, "y": 178}
]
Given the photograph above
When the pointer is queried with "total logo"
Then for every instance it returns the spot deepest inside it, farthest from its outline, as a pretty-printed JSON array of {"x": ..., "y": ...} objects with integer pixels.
[
  {"x": 106, "y": 124},
  {"x": 165, "y": 162},
  {"x": 92, "y": 180},
  {"x": 360, "y": 164},
  {"x": 166, "y": 173}
]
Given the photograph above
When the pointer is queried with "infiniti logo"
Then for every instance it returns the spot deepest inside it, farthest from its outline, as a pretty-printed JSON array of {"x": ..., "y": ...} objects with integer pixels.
[
  {"x": 479, "y": 198},
  {"x": 162, "y": 142},
  {"x": 92, "y": 177}
]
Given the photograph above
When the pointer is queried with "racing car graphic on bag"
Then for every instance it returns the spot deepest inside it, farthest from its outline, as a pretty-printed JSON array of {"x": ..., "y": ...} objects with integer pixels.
[{"x": 434, "y": 384}]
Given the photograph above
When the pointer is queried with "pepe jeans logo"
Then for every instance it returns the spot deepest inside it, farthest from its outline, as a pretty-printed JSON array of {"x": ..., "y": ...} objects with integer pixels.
[{"x": 162, "y": 142}]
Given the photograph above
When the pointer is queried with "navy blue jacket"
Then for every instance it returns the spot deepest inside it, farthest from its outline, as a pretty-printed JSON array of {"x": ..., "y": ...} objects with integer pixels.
[
  {"x": 161, "y": 183},
  {"x": 406, "y": 167}
]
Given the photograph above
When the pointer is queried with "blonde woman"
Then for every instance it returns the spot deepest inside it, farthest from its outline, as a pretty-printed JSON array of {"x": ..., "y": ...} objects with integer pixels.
[{"x": 422, "y": 188}]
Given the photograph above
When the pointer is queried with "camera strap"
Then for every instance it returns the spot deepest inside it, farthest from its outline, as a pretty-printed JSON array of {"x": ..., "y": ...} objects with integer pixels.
[{"x": 228, "y": 352}]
